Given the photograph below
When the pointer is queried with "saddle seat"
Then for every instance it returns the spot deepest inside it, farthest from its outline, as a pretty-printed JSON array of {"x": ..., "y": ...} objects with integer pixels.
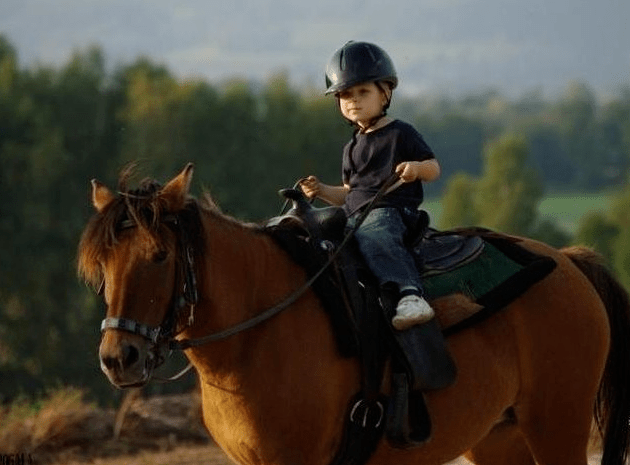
[
  {"x": 441, "y": 252},
  {"x": 436, "y": 252},
  {"x": 420, "y": 347},
  {"x": 419, "y": 358}
]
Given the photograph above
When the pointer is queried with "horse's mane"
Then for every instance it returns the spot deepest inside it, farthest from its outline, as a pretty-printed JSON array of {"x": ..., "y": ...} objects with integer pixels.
[{"x": 142, "y": 207}]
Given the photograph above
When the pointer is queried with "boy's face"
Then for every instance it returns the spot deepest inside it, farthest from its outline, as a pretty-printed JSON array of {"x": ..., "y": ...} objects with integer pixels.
[{"x": 362, "y": 102}]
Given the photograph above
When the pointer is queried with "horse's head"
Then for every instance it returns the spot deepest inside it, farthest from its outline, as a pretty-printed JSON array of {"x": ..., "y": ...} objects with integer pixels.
[{"x": 137, "y": 250}]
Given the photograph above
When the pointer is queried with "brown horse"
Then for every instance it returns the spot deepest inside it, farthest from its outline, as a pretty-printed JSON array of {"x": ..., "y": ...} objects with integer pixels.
[{"x": 529, "y": 378}]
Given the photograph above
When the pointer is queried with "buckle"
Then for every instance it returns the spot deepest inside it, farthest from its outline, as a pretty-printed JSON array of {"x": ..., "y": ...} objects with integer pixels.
[{"x": 365, "y": 411}]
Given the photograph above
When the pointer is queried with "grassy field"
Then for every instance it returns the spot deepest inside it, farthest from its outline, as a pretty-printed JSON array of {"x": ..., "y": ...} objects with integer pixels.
[{"x": 565, "y": 209}]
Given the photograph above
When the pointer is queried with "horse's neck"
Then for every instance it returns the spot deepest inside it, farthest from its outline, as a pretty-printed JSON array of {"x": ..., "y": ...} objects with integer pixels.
[
  {"x": 244, "y": 273},
  {"x": 257, "y": 383},
  {"x": 248, "y": 272}
]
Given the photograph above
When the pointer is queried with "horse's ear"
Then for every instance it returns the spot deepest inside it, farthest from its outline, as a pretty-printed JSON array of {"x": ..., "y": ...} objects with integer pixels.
[
  {"x": 101, "y": 196},
  {"x": 175, "y": 192}
]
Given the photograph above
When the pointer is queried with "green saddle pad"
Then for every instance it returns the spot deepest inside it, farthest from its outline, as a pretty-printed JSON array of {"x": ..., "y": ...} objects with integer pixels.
[
  {"x": 475, "y": 278},
  {"x": 502, "y": 272}
]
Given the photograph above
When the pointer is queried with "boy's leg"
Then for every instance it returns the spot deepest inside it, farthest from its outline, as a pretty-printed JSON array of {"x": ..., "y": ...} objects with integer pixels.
[{"x": 380, "y": 240}]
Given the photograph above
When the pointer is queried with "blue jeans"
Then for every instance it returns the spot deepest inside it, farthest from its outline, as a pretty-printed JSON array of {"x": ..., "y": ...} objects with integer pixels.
[{"x": 380, "y": 239}]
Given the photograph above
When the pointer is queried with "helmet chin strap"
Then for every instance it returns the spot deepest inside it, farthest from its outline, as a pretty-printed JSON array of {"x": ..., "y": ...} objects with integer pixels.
[{"x": 371, "y": 123}]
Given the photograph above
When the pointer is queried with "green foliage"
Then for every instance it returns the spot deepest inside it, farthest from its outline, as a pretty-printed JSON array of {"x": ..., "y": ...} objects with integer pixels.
[
  {"x": 597, "y": 231},
  {"x": 548, "y": 232},
  {"x": 457, "y": 203},
  {"x": 609, "y": 234},
  {"x": 505, "y": 198},
  {"x": 59, "y": 128},
  {"x": 507, "y": 195},
  {"x": 620, "y": 216}
]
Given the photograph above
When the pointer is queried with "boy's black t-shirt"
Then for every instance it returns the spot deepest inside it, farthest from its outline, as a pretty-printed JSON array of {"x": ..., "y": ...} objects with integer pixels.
[{"x": 370, "y": 159}]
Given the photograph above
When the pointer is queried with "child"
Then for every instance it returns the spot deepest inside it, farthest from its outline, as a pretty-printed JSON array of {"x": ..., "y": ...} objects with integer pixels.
[{"x": 362, "y": 77}]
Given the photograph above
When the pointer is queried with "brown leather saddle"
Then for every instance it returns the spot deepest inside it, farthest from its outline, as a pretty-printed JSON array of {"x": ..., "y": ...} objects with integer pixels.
[
  {"x": 418, "y": 356},
  {"x": 436, "y": 252},
  {"x": 493, "y": 269}
]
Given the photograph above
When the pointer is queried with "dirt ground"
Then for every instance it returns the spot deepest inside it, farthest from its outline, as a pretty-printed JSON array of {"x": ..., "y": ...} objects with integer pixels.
[
  {"x": 158, "y": 431},
  {"x": 194, "y": 454},
  {"x": 181, "y": 455}
]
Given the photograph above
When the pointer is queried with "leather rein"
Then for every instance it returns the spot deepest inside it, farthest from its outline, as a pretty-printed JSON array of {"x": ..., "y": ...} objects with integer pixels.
[{"x": 162, "y": 337}]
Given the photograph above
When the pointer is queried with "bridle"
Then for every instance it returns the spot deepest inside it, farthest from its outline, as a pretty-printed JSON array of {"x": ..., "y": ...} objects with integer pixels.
[
  {"x": 162, "y": 338},
  {"x": 186, "y": 296}
]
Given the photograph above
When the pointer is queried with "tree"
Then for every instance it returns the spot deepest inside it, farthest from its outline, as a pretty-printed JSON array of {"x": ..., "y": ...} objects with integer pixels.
[
  {"x": 620, "y": 216},
  {"x": 598, "y": 231},
  {"x": 576, "y": 123},
  {"x": 457, "y": 141},
  {"x": 504, "y": 198},
  {"x": 8, "y": 68},
  {"x": 61, "y": 127},
  {"x": 457, "y": 203},
  {"x": 50, "y": 144},
  {"x": 508, "y": 193},
  {"x": 615, "y": 137},
  {"x": 609, "y": 234}
]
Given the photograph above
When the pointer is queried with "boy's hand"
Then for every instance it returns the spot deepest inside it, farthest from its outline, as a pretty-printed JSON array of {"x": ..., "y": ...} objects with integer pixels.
[
  {"x": 311, "y": 187},
  {"x": 407, "y": 171},
  {"x": 410, "y": 171}
]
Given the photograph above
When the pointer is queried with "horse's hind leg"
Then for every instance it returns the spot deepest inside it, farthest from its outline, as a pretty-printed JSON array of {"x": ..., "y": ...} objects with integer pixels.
[
  {"x": 563, "y": 337},
  {"x": 560, "y": 439},
  {"x": 505, "y": 445}
]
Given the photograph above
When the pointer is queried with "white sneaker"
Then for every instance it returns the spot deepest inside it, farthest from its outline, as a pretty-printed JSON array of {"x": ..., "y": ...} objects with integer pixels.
[{"x": 411, "y": 310}]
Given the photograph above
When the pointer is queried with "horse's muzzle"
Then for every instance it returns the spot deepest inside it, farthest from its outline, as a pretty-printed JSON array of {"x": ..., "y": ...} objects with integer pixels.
[{"x": 126, "y": 360}]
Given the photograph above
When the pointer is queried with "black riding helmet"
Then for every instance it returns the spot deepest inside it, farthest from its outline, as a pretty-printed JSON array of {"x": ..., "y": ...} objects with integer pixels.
[{"x": 358, "y": 62}]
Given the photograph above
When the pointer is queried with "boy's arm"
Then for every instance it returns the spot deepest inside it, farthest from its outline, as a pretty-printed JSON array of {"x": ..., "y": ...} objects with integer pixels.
[
  {"x": 427, "y": 170},
  {"x": 334, "y": 195}
]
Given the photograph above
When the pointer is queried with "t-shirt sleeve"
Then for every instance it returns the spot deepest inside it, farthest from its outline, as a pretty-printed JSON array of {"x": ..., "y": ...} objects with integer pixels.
[{"x": 416, "y": 147}]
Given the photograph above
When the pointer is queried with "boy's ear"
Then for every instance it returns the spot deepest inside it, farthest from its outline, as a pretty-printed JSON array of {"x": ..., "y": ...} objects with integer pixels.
[
  {"x": 175, "y": 192},
  {"x": 101, "y": 196},
  {"x": 387, "y": 92}
]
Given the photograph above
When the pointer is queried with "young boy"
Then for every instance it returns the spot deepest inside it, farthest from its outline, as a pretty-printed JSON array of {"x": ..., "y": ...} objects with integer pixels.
[{"x": 362, "y": 77}]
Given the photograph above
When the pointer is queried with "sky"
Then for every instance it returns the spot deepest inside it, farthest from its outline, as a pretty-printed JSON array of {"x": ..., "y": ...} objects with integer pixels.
[{"x": 438, "y": 46}]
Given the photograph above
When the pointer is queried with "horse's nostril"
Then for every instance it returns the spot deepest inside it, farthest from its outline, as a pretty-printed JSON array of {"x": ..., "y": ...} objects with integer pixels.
[
  {"x": 127, "y": 357},
  {"x": 109, "y": 362},
  {"x": 130, "y": 355}
]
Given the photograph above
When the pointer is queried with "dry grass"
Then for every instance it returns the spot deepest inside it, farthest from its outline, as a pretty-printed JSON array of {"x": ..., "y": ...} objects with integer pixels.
[
  {"x": 49, "y": 423},
  {"x": 63, "y": 429}
]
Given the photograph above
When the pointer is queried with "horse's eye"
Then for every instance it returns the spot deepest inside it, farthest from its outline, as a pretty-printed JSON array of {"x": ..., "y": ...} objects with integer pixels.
[{"x": 160, "y": 256}]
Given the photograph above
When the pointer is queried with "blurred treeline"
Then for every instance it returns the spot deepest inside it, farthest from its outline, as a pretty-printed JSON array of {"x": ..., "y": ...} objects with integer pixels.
[{"x": 61, "y": 127}]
